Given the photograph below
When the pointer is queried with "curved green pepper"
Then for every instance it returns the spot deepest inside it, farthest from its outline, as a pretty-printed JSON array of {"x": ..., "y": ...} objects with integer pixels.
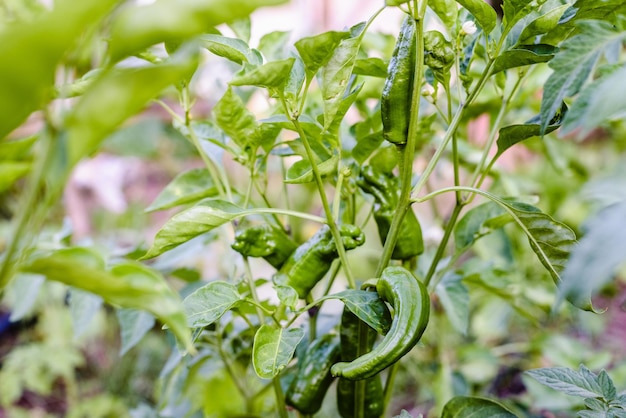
[
  {"x": 411, "y": 304},
  {"x": 386, "y": 191},
  {"x": 308, "y": 264},
  {"x": 266, "y": 241},
  {"x": 307, "y": 390},
  {"x": 395, "y": 102},
  {"x": 373, "y": 395}
]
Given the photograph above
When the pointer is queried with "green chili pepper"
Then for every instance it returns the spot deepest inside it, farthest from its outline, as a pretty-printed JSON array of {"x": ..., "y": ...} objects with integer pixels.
[
  {"x": 266, "y": 241},
  {"x": 395, "y": 103},
  {"x": 438, "y": 55},
  {"x": 411, "y": 304},
  {"x": 385, "y": 188},
  {"x": 308, "y": 388},
  {"x": 373, "y": 395},
  {"x": 308, "y": 264}
]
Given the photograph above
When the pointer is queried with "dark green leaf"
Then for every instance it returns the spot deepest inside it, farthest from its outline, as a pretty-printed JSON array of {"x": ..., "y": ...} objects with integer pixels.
[
  {"x": 372, "y": 66},
  {"x": 466, "y": 406},
  {"x": 454, "y": 296},
  {"x": 137, "y": 27},
  {"x": 208, "y": 303},
  {"x": 573, "y": 64},
  {"x": 273, "y": 349},
  {"x": 30, "y": 52},
  {"x": 134, "y": 326},
  {"x": 595, "y": 260},
  {"x": 301, "y": 171},
  {"x": 583, "y": 383},
  {"x": 272, "y": 75},
  {"x": 478, "y": 222},
  {"x": 368, "y": 306},
  {"x": 187, "y": 187},
  {"x": 235, "y": 120},
  {"x": 523, "y": 55},
  {"x": 485, "y": 14},
  {"x": 203, "y": 217},
  {"x": 232, "y": 49},
  {"x": 542, "y": 24},
  {"x": 317, "y": 50}
]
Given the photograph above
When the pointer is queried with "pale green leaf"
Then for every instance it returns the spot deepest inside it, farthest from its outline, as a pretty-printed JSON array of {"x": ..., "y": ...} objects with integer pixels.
[
  {"x": 523, "y": 55},
  {"x": 134, "y": 325},
  {"x": 187, "y": 187},
  {"x": 372, "y": 66},
  {"x": 288, "y": 296},
  {"x": 203, "y": 217},
  {"x": 16, "y": 149},
  {"x": 12, "y": 171},
  {"x": 582, "y": 383},
  {"x": 485, "y": 14},
  {"x": 273, "y": 349},
  {"x": 317, "y": 50},
  {"x": 446, "y": 10},
  {"x": 138, "y": 26},
  {"x": 208, "y": 303},
  {"x": 368, "y": 306},
  {"x": 454, "y": 297},
  {"x": 366, "y": 146},
  {"x": 301, "y": 171},
  {"x": 25, "y": 289},
  {"x": 232, "y": 49},
  {"x": 474, "y": 407},
  {"x": 83, "y": 307},
  {"x": 272, "y": 75},
  {"x": 273, "y": 45},
  {"x": 235, "y": 119}
]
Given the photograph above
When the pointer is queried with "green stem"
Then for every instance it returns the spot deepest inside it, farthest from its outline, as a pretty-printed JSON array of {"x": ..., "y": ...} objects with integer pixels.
[
  {"x": 253, "y": 291},
  {"x": 391, "y": 378},
  {"x": 444, "y": 241},
  {"x": 229, "y": 369},
  {"x": 280, "y": 398}
]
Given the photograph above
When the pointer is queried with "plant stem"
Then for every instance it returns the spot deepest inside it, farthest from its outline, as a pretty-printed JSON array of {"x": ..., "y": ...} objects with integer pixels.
[
  {"x": 444, "y": 241},
  {"x": 253, "y": 291},
  {"x": 280, "y": 398},
  {"x": 391, "y": 378}
]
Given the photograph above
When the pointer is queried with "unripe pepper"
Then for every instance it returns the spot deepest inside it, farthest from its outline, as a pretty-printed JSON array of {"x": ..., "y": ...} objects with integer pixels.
[
  {"x": 395, "y": 102},
  {"x": 373, "y": 396},
  {"x": 266, "y": 241},
  {"x": 310, "y": 384},
  {"x": 438, "y": 55},
  {"x": 411, "y": 304},
  {"x": 386, "y": 191},
  {"x": 308, "y": 264}
]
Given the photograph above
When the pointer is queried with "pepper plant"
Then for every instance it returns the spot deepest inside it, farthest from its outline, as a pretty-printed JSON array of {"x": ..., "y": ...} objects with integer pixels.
[{"x": 371, "y": 123}]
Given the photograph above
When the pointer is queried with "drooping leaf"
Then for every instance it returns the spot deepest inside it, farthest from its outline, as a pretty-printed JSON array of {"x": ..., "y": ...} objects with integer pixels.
[
  {"x": 523, "y": 55},
  {"x": 187, "y": 187},
  {"x": 368, "y": 306},
  {"x": 31, "y": 51},
  {"x": 598, "y": 255},
  {"x": 83, "y": 307},
  {"x": 582, "y": 383},
  {"x": 301, "y": 171},
  {"x": 272, "y": 75},
  {"x": 485, "y": 14},
  {"x": 598, "y": 102},
  {"x": 478, "y": 222},
  {"x": 203, "y": 217},
  {"x": 446, "y": 10},
  {"x": 372, "y": 66},
  {"x": 273, "y": 349},
  {"x": 573, "y": 64},
  {"x": 466, "y": 406},
  {"x": 542, "y": 24},
  {"x": 129, "y": 285},
  {"x": 118, "y": 94},
  {"x": 208, "y": 303},
  {"x": 317, "y": 50},
  {"x": 138, "y": 26},
  {"x": 454, "y": 296},
  {"x": 366, "y": 146},
  {"x": 235, "y": 120},
  {"x": 134, "y": 325},
  {"x": 232, "y": 49}
]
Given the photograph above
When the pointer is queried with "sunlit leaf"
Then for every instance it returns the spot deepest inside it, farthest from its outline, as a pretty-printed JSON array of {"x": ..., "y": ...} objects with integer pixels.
[
  {"x": 235, "y": 119},
  {"x": 273, "y": 349},
  {"x": 317, "y": 50},
  {"x": 301, "y": 171},
  {"x": 372, "y": 66},
  {"x": 523, "y": 55},
  {"x": 485, "y": 14},
  {"x": 466, "y": 406},
  {"x": 208, "y": 303},
  {"x": 272, "y": 75},
  {"x": 446, "y": 10},
  {"x": 187, "y": 187},
  {"x": 16, "y": 149},
  {"x": 232, "y": 49},
  {"x": 542, "y": 24},
  {"x": 12, "y": 171}
]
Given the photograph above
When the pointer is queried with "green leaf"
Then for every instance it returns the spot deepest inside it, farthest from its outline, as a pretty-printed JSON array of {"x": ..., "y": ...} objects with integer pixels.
[
  {"x": 301, "y": 171},
  {"x": 574, "y": 63},
  {"x": 288, "y": 296},
  {"x": 366, "y": 146},
  {"x": 477, "y": 223},
  {"x": 606, "y": 11},
  {"x": 516, "y": 10},
  {"x": 137, "y": 27},
  {"x": 598, "y": 102},
  {"x": 542, "y": 24},
  {"x": 232, "y": 49},
  {"x": 134, "y": 325},
  {"x": 236, "y": 120},
  {"x": 368, "y": 306},
  {"x": 454, "y": 296},
  {"x": 25, "y": 288},
  {"x": 514, "y": 134},
  {"x": 523, "y": 55},
  {"x": 117, "y": 95},
  {"x": 272, "y": 75},
  {"x": 583, "y": 383},
  {"x": 128, "y": 284},
  {"x": 335, "y": 76},
  {"x": 17, "y": 149},
  {"x": 34, "y": 49},
  {"x": 446, "y": 10},
  {"x": 187, "y": 187},
  {"x": 608, "y": 388},
  {"x": 372, "y": 66},
  {"x": 317, "y": 50},
  {"x": 83, "y": 307},
  {"x": 273, "y": 349},
  {"x": 12, "y": 171},
  {"x": 208, "y": 303},
  {"x": 203, "y": 217},
  {"x": 485, "y": 14},
  {"x": 466, "y": 406},
  {"x": 273, "y": 45},
  {"x": 596, "y": 258}
]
